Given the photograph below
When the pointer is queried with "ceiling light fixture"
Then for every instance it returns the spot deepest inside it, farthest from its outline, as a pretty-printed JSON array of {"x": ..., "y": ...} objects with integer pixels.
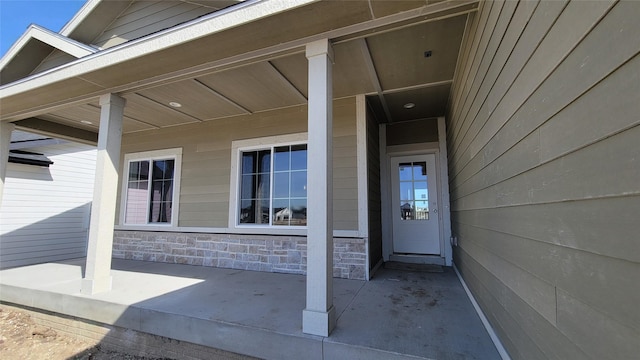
[
  {"x": 409, "y": 105},
  {"x": 86, "y": 122},
  {"x": 175, "y": 104}
]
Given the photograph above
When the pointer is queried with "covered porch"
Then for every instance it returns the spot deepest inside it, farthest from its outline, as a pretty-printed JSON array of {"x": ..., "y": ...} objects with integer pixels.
[
  {"x": 396, "y": 315},
  {"x": 334, "y": 83}
]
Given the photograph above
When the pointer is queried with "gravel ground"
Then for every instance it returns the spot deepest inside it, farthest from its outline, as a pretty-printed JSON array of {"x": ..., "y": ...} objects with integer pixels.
[{"x": 21, "y": 338}]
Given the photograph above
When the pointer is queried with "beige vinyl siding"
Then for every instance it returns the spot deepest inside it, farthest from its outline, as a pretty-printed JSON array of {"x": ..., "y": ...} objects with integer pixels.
[
  {"x": 146, "y": 17},
  {"x": 45, "y": 211},
  {"x": 206, "y": 160},
  {"x": 544, "y": 175},
  {"x": 56, "y": 58},
  {"x": 374, "y": 204}
]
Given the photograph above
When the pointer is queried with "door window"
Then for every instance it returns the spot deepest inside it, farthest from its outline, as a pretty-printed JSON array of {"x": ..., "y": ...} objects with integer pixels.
[{"x": 414, "y": 194}]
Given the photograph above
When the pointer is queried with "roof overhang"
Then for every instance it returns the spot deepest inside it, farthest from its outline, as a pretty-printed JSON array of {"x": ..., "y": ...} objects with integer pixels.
[
  {"x": 13, "y": 65},
  {"x": 222, "y": 40}
]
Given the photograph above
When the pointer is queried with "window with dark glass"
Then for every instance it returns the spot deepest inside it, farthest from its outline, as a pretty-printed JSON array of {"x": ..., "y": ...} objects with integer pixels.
[
  {"x": 273, "y": 186},
  {"x": 149, "y": 195}
]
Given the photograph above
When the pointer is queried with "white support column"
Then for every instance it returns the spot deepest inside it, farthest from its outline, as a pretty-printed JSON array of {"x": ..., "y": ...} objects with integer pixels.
[
  {"x": 97, "y": 276},
  {"x": 319, "y": 317},
  {"x": 5, "y": 140}
]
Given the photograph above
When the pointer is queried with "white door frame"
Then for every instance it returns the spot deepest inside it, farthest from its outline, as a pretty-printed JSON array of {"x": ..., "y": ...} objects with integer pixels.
[{"x": 444, "y": 214}]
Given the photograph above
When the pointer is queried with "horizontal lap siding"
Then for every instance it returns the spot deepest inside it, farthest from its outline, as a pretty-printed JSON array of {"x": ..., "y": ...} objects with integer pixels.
[
  {"x": 56, "y": 58},
  {"x": 545, "y": 175},
  {"x": 146, "y": 17},
  {"x": 206, "y": 160},
  {"x": 45, "y": 211}
]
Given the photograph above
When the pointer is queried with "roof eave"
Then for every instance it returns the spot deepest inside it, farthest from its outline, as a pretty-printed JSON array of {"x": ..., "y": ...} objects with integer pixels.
[
  {"x": 57, "y": 41},
  {"x": 216, "y": 22}
]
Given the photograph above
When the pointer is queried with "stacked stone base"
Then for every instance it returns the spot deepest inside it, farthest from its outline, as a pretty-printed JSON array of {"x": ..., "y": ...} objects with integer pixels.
[{"x": 268, "y": 253}]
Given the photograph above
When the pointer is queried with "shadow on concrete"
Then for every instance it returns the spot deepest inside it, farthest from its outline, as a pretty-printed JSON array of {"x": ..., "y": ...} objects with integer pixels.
[{"x": 396, "y": 315}]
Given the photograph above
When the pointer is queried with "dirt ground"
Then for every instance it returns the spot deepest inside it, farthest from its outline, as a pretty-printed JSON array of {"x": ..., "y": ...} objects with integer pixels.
[{"x": 21, "y": 338}]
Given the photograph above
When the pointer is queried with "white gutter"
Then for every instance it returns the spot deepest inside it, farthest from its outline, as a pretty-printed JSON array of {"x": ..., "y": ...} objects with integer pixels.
[{"x": 216, "y": 22}]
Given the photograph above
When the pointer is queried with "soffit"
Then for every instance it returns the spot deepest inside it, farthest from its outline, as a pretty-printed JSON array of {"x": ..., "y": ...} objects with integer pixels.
[
  {"x": 29, "y": 57},
  {"x": 399, "y": 73},
  {"x": 401, "y": 54}
]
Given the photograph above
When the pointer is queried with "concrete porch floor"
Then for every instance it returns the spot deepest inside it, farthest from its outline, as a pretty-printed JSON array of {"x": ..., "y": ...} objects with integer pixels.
[{"x": 396, "y": 315}]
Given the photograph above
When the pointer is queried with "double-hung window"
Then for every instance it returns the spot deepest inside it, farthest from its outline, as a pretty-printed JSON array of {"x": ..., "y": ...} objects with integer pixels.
[
  {"x": 272, "y": 185},
  {"x": 151, "y": 185}
]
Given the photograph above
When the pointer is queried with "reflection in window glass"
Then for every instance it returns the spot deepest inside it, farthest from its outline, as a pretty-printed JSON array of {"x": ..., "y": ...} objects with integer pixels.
[
  {"x": 149, "y": 196},
  {"x": 414, "y": 193},
  {"x": 255, "y": 188},
  {"x": 277, "y": 197}
]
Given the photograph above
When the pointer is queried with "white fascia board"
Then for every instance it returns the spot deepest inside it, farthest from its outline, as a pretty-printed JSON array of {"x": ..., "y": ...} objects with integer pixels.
[
  {"x": 60, "y": 42},
  {"x": 215, "y": 22},
  {"x": 79, "y": 17}
]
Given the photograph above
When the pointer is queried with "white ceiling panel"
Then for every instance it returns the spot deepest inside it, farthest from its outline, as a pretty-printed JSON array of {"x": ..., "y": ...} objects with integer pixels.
[
  {"x": 256, "y": 87},
  {"x": 399, "y": 56},
  {"x": 150, "y": 112},
  {"x": 196, "y": 99}
]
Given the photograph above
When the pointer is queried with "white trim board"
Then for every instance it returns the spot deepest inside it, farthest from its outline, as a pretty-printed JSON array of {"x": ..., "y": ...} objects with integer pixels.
[
  {"x": 487, "y": 325},
  {"x": 55, "y": 40},
  {"x": 174, "y": 153},
  {"x": 234, "y": 184},
  {"x": 361, "y": 158}
]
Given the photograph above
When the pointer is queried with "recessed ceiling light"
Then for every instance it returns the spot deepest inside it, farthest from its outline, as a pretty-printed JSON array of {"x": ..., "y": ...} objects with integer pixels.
[
  {"x": 175, "y": 104},
  {"x": 409, "y": 105},
  {"x": 86, "y": 122}
]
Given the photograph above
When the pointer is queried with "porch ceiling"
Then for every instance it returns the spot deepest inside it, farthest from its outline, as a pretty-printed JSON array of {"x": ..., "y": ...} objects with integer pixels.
[{"x": 389, "y": 64}]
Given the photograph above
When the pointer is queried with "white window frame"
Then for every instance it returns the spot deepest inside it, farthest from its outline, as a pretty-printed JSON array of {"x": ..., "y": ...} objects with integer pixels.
[
  {"x": 239, "y": 146},
  {"x": 165, "y": 154}
]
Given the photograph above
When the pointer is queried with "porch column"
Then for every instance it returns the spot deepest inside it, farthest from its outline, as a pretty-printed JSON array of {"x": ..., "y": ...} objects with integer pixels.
[
  {"x": 319, "y": 316},
  {"x": 97, "y": 276},
  {"x": 5, "y": 140}
]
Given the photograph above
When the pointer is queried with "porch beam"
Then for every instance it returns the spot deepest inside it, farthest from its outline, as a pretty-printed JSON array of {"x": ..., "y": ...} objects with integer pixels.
[
  {"x": 417, "y": 87},
  {"x": 373, "y": 74},
  {"x": 222, "y": 97},
  {"x": 319, "y": 316},
  {"x": 97, "y": 276},
  {"x": 6, "y": 128},
  {"x": 285, "y": 82},
  {"x": 60, "y": 131}
]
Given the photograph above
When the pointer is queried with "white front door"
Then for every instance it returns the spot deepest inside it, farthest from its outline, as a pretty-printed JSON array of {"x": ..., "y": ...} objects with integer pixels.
[{"x": 415, "y": 205}]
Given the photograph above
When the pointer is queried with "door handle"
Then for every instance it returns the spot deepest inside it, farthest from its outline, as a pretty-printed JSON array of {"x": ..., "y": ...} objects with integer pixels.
[{"x": 435, "y": 211}]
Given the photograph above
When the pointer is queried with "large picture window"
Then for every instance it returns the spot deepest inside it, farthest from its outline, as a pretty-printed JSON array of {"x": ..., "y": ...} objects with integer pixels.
[
  {"x": 150, "y": 187},
  {"x": 273, "y": 186}
]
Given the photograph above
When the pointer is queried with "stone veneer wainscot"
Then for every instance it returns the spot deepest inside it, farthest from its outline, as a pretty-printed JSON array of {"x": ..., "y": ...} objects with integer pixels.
[{"x": 269, "y": 253}]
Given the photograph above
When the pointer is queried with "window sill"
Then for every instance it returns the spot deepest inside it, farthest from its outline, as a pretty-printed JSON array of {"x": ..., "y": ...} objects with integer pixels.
[{"x": 237, "y": 230}]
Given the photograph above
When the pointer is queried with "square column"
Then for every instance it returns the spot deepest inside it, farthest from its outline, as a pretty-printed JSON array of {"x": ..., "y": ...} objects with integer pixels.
[
  {"x": 319, "y": 317},
  {"x": 97, "y": 276},
  {"x": 5, "y": 140}
]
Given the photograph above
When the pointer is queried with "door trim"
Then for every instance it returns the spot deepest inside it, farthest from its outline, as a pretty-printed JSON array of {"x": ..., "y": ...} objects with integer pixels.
[{"x": 444, "y": 214}]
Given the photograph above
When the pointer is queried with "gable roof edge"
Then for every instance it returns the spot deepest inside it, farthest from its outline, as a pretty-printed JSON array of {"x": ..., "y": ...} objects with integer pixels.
[
  {"x": 55, "y": 40},
  {"x": 79, "y": 17}
]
